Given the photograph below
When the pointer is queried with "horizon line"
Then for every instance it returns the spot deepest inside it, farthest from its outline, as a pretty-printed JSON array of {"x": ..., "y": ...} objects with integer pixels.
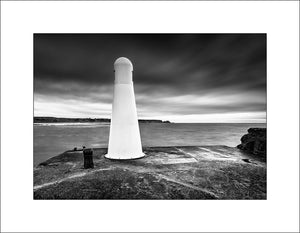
[{"x": 156, "y": 119}]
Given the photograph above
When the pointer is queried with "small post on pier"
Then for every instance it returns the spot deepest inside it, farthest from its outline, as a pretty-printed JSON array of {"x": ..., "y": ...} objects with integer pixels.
[{"x": 88, "y": 158}]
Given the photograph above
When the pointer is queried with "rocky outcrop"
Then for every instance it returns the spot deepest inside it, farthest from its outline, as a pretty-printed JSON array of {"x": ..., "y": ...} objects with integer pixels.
[{"x": 255, "y": 141}]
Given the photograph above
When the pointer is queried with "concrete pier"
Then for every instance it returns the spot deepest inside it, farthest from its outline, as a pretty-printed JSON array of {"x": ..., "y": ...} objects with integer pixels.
[{"x": 188, "y": 172}]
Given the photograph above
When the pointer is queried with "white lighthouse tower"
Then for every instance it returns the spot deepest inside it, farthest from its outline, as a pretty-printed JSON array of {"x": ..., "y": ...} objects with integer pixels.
[{"x": 124, "y": 136}]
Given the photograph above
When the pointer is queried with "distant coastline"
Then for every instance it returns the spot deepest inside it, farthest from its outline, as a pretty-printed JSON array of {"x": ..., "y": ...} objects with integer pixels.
[{"x": 84, "y": 120}]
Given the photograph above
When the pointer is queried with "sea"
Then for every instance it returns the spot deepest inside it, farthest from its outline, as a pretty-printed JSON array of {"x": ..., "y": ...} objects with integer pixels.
[{"x": 51, "y": 139}]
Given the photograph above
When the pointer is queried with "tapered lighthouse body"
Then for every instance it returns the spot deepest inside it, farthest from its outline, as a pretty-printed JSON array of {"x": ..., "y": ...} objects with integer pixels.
[{"x": 124, "y": 136}]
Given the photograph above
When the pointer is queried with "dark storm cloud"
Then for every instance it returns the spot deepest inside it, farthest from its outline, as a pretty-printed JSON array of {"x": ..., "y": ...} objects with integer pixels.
[{"x": 165, "y": 65}]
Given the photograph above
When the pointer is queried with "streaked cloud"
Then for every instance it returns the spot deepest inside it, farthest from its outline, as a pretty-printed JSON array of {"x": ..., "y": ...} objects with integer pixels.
[{"x": 182, "y": 78}]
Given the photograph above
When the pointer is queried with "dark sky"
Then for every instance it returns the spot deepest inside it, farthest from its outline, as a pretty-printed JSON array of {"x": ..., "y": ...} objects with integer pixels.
[{"x": 177, "y": 77}]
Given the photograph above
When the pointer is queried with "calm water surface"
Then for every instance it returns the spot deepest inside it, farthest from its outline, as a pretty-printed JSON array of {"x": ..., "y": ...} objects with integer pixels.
[{"x": 53, "y": 139}]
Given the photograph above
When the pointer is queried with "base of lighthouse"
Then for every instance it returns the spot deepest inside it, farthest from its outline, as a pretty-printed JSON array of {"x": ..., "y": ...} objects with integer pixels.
[
  {"x": 124, "y": 134},
  {"x": 124, "y": 157}
]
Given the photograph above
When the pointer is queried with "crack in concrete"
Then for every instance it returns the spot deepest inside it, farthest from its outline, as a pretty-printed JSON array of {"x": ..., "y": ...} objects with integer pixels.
[
  {"x": 188, "y": 185},
  {"x": 160, "y": 176},
  {"x": 76, "y": 175},
  {"x": 214, "y": 152}
]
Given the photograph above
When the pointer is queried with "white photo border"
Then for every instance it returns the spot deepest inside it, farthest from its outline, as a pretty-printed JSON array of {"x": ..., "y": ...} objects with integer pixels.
[{"x": 20, "y": 20}]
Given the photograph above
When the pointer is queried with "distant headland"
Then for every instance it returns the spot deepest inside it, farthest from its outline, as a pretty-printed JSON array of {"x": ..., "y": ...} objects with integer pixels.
[{"x": 83, "y": 120}]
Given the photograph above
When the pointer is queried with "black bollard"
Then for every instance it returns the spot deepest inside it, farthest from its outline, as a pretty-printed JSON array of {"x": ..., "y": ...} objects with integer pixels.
[{"x": 88, "y": 158}]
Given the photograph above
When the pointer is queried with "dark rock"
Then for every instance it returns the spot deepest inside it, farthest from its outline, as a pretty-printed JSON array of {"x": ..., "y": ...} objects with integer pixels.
[{"x": 255, "y": 141}]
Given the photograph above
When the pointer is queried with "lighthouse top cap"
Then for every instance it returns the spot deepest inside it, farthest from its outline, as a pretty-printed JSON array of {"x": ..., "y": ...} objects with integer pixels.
[{"x": 123, "y": 62}]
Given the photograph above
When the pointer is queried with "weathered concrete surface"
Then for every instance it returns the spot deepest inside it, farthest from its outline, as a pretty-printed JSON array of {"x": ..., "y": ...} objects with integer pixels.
[{"x": 202, "y": 172}]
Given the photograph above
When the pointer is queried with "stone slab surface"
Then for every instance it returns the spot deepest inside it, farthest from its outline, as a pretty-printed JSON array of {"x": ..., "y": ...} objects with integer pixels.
[{"x": 191, "y": 172}]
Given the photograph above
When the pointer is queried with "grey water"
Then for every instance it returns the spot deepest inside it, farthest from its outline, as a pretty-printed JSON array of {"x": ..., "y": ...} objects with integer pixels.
[{"x": 51, "y": 139}]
